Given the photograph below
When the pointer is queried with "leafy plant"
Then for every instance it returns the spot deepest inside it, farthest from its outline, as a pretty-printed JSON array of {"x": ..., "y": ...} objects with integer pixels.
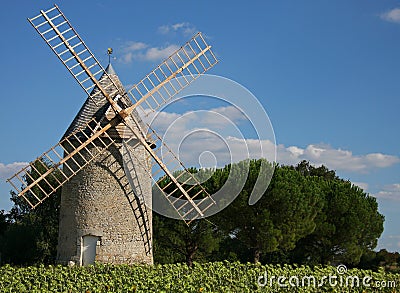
[{"x": 207, "y": 277}]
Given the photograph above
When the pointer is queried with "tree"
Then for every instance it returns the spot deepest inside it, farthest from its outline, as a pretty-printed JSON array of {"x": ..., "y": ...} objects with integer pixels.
[
  {"x": 31, "y": 235},
  {"x": 3, "y": 222},
  {"x": 348, "y": 225},
  {"x": 307, "y": 215},
  {"x": 279, "y": 219},
  {"x": 174, "y": 241}
]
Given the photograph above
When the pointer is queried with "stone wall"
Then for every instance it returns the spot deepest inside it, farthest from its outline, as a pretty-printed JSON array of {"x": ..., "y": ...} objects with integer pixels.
[{"x": 100, "y": 201}]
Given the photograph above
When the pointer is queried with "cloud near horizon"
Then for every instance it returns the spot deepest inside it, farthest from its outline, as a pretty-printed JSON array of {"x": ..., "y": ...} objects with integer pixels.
[
  {"x": 390, "y": 242},
  {"x": 179, "y": 126},
  {"x": 391, "y": 192},
  {"x": 7, "y": 170},
  {"x": 337, "y": 159},
  {"x": 363, "y": 185}
]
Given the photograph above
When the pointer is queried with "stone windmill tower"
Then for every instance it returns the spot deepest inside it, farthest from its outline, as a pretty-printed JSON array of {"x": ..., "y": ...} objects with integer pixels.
[
  {"x": 110, "y": 162},
  {"x": 101, "y": 214}
]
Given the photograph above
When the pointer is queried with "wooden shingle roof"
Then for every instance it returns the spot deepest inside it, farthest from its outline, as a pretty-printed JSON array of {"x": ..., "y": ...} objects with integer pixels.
[{"x": 97, "y": 105}]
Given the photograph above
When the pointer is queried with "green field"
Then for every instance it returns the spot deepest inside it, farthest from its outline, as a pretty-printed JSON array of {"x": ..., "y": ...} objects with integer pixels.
[{"x": 207, "y": 277}]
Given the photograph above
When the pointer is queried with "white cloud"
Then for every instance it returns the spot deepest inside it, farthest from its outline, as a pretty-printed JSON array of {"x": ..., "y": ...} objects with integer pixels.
[
  {"x": 364, "y": 186},
  {"x": 154, "y": 54},
  {"x": 215, "y": 117},
  {"x": 6, "y": 171},
  {"x": 295, "y": 151},
  {"x": 135, "y": 50},
  {"x": 143, "y": 52},
  {"x": 198, "y": 123},
  {"x": 395, "y": 238},
  {"x": 389, "y": 242},
  {"x": 130, "y": 50},
  {"x": 230, "y": 112},
  {"x": 162, "y": 121},
  {"x": 127, "y": 57},
  {"x": 336, "y": 159},
  {"x": 392, "y": 15},
  {"x": 135, "y": 46},
  {"x": 186, "y": 28},
  {"x": 191, "y": 133},
  {"x": 381, "y": 160},
  {"x": 164, "y": 29},
  {"x": 391, "y": 192}
]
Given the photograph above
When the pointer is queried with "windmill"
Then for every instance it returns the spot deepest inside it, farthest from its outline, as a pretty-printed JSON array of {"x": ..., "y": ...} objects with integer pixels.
[{"x": 109, "y": 159}]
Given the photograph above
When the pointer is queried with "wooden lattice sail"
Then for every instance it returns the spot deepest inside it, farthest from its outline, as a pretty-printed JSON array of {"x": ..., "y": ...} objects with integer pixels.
[{"x": 88, "y": 141}]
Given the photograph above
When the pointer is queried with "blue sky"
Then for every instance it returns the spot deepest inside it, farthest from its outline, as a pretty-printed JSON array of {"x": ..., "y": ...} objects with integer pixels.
[{"x": 326, "y": 72}]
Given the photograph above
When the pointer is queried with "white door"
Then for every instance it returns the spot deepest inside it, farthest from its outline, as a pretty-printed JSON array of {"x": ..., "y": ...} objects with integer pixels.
[{"x": 89, "y": 243}]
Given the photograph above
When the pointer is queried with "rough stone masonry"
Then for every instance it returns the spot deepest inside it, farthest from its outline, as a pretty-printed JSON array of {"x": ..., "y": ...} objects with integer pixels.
[{"x": 106, "y": 200}]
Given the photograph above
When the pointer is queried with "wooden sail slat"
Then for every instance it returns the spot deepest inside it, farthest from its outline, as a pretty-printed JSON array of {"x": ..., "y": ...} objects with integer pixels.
[{"x": 49, "y": 172}]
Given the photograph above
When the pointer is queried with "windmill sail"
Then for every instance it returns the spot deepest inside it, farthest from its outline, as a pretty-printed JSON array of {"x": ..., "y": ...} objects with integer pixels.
[
  {"x": 61, "y": 37},
  {"x": 46, "y": 174},
  {"x": 183, "y": 191},
  {"x": 43, "y": 176},
  {"x": 172, "y": 75}
]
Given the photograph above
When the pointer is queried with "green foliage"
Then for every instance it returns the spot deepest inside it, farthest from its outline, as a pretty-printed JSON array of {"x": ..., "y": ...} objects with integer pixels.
[
  {"x": 31, "y": 235},
  {"x": 3, "y": 222},
  {"x": 390, "y": 261},
  {"x": 174, "y": 241},
  {"x": 307, "y": 215},
  {"x": 348, "y": 225},
  {"x": 207, "y": 277},
  {"x": 279, "y": 219}
]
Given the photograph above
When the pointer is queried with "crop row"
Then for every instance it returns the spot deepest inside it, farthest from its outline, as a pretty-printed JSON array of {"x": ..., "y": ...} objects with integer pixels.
[{"x": 207, "y": 277}]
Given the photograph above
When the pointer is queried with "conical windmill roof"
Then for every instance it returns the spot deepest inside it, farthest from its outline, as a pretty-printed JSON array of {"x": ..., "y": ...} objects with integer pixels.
[{"x": 97, "y": 105}]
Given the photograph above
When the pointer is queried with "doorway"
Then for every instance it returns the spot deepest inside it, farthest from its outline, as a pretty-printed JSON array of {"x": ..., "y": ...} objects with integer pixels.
[{"x": 89, "y": 243}]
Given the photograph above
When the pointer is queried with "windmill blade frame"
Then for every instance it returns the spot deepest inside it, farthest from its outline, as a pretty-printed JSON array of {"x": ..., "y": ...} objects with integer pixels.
[
  {"x": 180, "y": 185},
  {"x": 68, "y": 46},
  {"x": 65, "y": 159},
  {"x": 181, "y": 189},
  {"x": 156, "y": 89},
  {"x": 172, "y": 75}
]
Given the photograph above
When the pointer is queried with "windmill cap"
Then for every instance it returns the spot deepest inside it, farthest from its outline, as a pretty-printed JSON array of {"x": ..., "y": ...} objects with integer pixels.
[
  {"x": 110, "y": 69},
  {"x": 96, "y": 106}
]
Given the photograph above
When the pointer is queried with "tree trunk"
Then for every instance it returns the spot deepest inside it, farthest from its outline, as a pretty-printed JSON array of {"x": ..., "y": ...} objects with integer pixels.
[
  {"x": 190, "y": 252},
  {"x": 257, "y": 254},
  {"x": 189, "y": 260}
]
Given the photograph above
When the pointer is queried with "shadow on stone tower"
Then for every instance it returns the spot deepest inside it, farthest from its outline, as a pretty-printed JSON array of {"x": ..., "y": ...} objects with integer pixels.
[{"x": 103, "y": 217}]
